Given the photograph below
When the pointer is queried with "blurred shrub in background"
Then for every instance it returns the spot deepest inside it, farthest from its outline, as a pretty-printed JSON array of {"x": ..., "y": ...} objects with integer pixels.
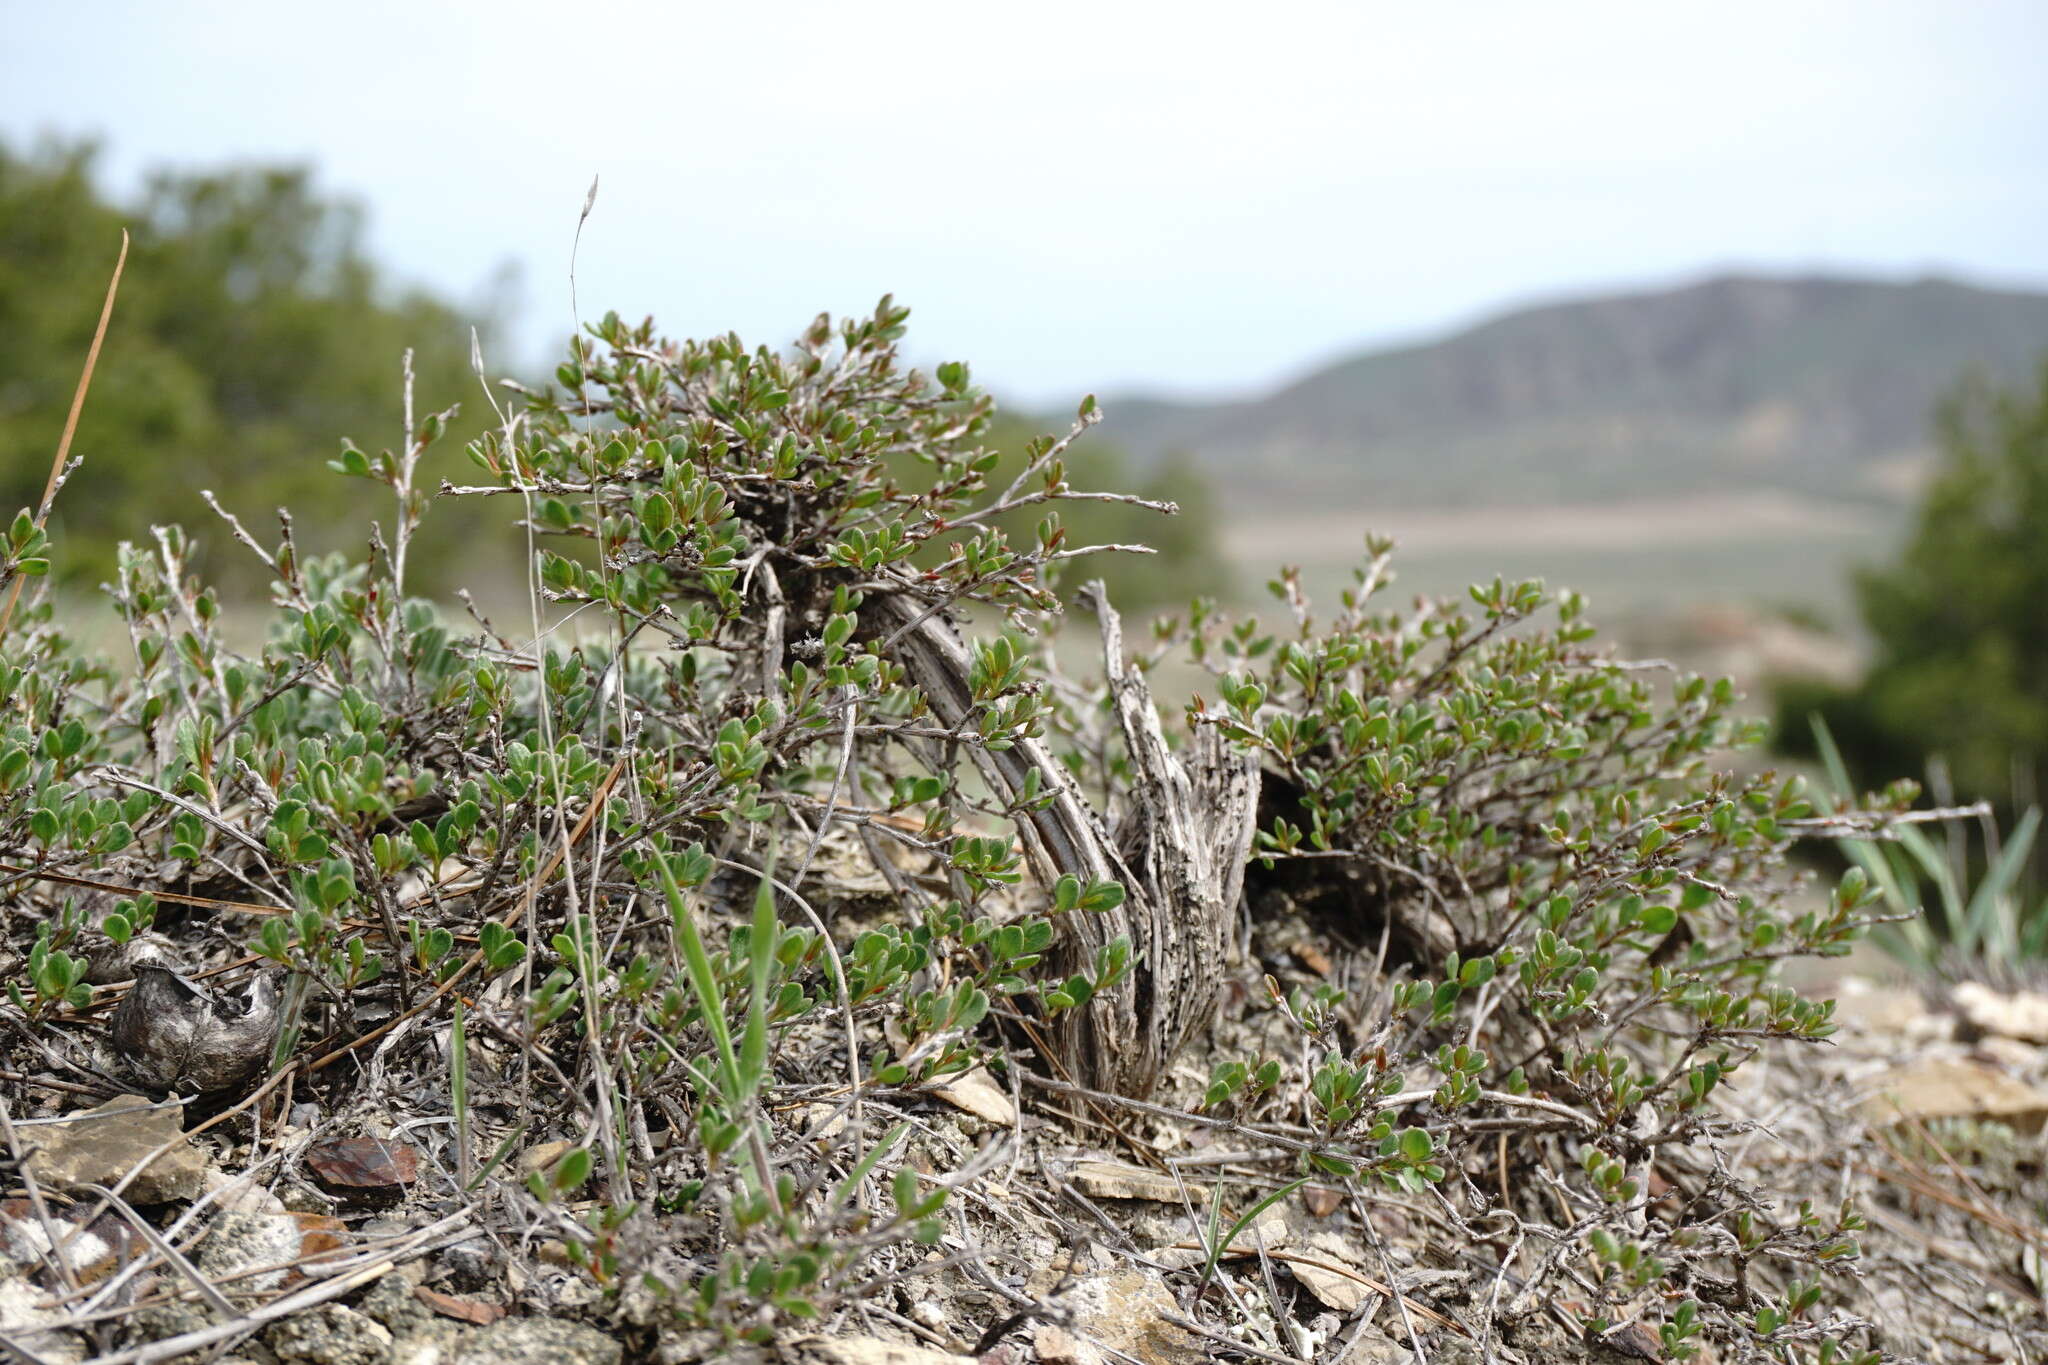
[
  {"x": 1959, "y": 623},
  {"x": 252, "y": 331},
  {"x": 1957, "y": 688},
  {"x": 1187, "y": 558}
]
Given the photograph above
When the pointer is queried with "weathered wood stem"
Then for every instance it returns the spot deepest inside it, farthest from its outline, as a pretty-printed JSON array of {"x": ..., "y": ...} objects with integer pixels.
[{"x": 1179, "y": 850}]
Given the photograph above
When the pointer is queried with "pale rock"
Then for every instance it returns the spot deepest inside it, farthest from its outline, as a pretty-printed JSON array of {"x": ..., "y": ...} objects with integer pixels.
[
  {"x": 1114, "y": 1180},
  {"x": 1331, "y": 1287},
  {"x": 1122, "y": 1312},
  {"x": 824, "y": 1122},
  {"x": 241, "y": 1242},
  {"x": 1866, "y": 1007},
  {"x": 420, "y": 1336},
  {"x": 539, "y": 1341},
  {"x": 2013, "y": 1056},
  {"x": 26, "y": 1323},
  {"x": 330, "y": 1335},
  {"x": 870, "y": 1351},
  {"x": 2022, "y": 1015},
  {"x": 239, "y": 1193},
  {"x": 25, "y": 1239},
  {"x": 1951, "y": 1088},
  {"x": 977, "y": 1093},
  {"x": 101, "y": 1146},
  {"x": 541, "y": 1156}
]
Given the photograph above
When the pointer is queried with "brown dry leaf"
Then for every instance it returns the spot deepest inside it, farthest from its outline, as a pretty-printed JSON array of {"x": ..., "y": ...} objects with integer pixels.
[
  {"x": 364, "y": 1163},
  {"x": 462, "y": 1310},
  {"x": 320, "y": 1233}
]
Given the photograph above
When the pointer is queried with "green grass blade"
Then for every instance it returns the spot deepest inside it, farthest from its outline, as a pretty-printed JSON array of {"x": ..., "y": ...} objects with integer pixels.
[
  {"x": 458, "y": 1092},
  {"x": 1934, "y": 865},
  {"x": 2033, "y": 931},
  {"x": 1218, "y": 1245},
  {"x": 703, "y": 980},
  {"x": 753, "y": 1061},
  {"x": 866, "y": 1165},
  {"x": 1860, "y": 851},
  {"x": 1993, "y": 913}
]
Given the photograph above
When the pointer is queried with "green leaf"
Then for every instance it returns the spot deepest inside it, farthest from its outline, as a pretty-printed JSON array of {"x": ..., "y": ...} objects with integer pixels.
[
  {"x": 571, "y": 1170},
  {"x": 703, "y": 979},
  {"x": 761, "y": 942}
]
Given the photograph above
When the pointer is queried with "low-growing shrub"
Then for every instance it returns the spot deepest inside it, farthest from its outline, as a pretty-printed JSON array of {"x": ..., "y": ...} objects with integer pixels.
[
  {"x": 584, "y": 877},
  {"x": 1577, "y": 914}
]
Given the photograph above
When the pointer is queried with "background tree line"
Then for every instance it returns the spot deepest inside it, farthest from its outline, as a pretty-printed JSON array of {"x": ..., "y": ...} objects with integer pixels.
[{"x": 254, "y": 331}]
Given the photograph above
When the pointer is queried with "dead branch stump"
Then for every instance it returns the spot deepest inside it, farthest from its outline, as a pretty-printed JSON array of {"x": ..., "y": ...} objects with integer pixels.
[{"x": 1179, "y": 851}]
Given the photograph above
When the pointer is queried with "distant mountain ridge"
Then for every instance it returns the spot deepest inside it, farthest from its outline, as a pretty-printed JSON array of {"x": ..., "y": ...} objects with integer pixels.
[{"x": 1814, "y": 384}]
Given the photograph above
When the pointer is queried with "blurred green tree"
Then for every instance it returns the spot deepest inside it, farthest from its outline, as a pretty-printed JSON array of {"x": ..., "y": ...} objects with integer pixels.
[
  {"x": 1187, "y": 558},
  {"x": 1959, "y": 623},
  {"x": 252, "y": 333}
]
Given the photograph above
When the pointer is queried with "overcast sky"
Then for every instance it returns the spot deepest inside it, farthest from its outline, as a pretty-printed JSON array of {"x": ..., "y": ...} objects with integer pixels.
[{"x": 1098, "y": 196}]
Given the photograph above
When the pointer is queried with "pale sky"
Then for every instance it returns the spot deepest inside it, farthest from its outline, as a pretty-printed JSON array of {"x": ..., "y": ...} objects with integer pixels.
[{"x": 1102, "y": 196}]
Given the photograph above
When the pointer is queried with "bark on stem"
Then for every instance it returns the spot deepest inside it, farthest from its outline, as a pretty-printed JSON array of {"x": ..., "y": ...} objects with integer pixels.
[{"x": 1179, "y": 851}]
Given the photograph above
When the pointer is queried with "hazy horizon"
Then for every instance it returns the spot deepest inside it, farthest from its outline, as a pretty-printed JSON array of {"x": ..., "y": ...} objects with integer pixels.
[{"x": 1086, "y": 198}]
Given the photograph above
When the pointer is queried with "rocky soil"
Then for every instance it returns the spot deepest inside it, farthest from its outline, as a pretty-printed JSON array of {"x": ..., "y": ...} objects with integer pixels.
[{"x": 1079, "y": 1242}]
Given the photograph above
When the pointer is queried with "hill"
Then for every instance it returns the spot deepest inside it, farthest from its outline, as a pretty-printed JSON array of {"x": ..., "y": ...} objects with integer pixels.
[{"x": 1808, "y": 385}]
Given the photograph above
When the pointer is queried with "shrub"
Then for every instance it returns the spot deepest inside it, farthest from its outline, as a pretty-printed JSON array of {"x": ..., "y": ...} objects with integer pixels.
[
  {"x": 513, "y": 863},
  {"x": 1577, "y": 916},
  {"x": 1959, "y": 667}
]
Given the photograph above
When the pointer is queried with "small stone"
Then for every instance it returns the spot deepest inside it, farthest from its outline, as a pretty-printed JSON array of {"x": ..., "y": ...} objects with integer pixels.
[
  {"x": 541, "y": 1156},
  {"x": 824, "y": 1122},
  {"x": 26, "y": 1321},
  {"x": 1867, "y": 1007},
  {"x": 239, "y": 1193},
  {"x": 1123, "y": 1313},
  {"x": 1320, "y": 1201},
  {"x": 469, "y": 1264},
  {"x": 1327, "y": 1281},
  {"x": 101, "y": 1146},
  {"x": 1948, "y": 1088},
  {"x": 977, "y": 1093},
  {"x": 392, "y": 1302},
  {"x": 330, "y": 1335},
  {"x": 872, "y": 1351},
  {"x": 2022, "y": 1015},
  {"x": 243, "y": 1242},
  {"x": 1113, "y": 1180},
  {"x": 93, "y": 1252},
  {"x": 2012, "y": 1056},
  {"x": 419, "y": 1335},
  {"x": 539, "y": 1341}
]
